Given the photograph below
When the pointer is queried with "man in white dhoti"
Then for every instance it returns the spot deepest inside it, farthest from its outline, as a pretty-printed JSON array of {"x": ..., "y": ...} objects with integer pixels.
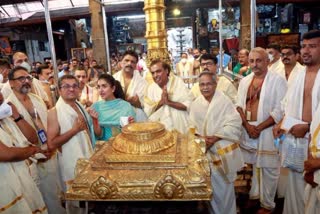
[
  {"x": 302, "y": 100},
  {"x": 21, "y": 59},
  {"x": 19, "y": 193},
  {"x": 275, "y": 63},
  {"x": 133, "y": 84},
  {"x": 209, "y": 62},
  {"x": 166, "y": 99},
  {"x": 221, "y": 138},
  {"x": 71, "y": 133},
  {"x": 259, "y": 98},
  {"x": 34, "y": 111},
  {"x": 289, "y": 56},
  {"x": 312, "y": 168}
]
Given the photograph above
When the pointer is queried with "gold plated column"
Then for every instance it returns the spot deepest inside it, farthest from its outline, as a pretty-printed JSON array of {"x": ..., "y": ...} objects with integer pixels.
[{"x": 156, "y": 33}]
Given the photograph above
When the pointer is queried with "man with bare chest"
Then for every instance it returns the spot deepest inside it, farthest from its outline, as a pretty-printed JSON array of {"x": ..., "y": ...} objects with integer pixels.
[
  {"x": 34, "y": 111},
  {"x": 258, "y": 103},
  {"x": 71, "y": 133},
  {"x": 302, "y": 100},
  {"x": 132, "y": 83}
]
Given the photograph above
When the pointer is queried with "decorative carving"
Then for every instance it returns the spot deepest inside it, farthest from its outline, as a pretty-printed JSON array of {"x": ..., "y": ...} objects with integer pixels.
[
  {"x": 103, "y": 188},
  {"x": 169, "y": 188},
  {"x": 177, "y": 173},
  {"x": 82, "y": 164},
  {"x": 143, "y": 138}
]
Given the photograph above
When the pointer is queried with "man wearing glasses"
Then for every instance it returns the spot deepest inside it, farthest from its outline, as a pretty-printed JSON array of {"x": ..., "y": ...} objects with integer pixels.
[
  {"x": 33, "y": 110},
  {"x": 208, "y": 62},
  {"x": 70, "y": 133}
]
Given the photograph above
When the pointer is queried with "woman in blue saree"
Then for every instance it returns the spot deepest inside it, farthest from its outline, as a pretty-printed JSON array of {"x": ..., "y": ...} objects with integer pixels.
[{"x": 106, "y": 113}]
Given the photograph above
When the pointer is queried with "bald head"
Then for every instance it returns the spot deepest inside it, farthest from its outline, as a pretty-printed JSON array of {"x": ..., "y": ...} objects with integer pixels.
[{"x": 260, "y": 51}]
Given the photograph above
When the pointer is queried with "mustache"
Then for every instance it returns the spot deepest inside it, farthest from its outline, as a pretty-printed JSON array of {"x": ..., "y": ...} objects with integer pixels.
[{"x": 128, "y": 66}]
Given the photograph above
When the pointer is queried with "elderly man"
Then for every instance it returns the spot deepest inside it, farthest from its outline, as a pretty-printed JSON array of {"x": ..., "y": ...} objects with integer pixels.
[
  {"x": 21, "y": 59},
  {"x": 221, "y": 138},
  {"x": 88, "y": 95},
  {"x": 302, "y": 100},
  {"x": 209, "y": 62},
  {"x": 71, "y": 133},
  {"x": 132, "y": 83},
  {"x": 19, "y": 193},
  {"x": 166, "y": 99},
  {"x": 259, "y": 105},
  {"x": 34, "y": 111}
]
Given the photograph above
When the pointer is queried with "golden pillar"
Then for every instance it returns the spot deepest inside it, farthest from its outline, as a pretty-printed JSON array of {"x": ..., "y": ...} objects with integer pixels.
[{"x": 156, "y": 33}]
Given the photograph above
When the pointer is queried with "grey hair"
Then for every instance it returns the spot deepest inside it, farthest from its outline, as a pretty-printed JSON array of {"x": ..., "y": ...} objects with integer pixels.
[{"x": 212, "y": 75}]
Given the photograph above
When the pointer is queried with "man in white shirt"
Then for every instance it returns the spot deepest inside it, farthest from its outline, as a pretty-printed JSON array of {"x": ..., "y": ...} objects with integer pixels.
[
  {"x": 275, "y": 63},
  {"x": 132, "y": 83}
]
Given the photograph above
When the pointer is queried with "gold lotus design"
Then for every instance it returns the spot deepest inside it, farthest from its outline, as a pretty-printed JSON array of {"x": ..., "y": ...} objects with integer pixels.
[{"x": 143, "y": 138}]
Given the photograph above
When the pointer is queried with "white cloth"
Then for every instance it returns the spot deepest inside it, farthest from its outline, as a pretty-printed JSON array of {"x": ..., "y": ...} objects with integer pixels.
[
  {"x": 264, "y": 185},
  {"x": 296, "y": 69},
  {"x": 293, "y": 108},
  {"x": 184, "y": 69},
  {"x": 37, "y": 103},
  {"x": 172, "y": 118},
  {"x": 277, "y": 67},
  {"x": 262, "y": 152},
  {"x": 89, "y": 93},
  {"x": 225, "y": 155},
  {"x": 224, "y": 85},
  {"x": 312, "y": 195},
  {"x": 47, "y": 171},
  {"x": 272, "y": 92},
  {"x": 10, "y": 127},
  {"x": 136, "y": 87},
  {"x": 36, "y": 88},
  {"x": 17, "y": 185},
  {"x": 79, "y": 146},
  {"x": 294, "y": 197}
]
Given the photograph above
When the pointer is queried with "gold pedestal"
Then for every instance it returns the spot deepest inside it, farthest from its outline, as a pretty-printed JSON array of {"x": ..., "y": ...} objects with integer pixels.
[{"x": 141, "y": 164}]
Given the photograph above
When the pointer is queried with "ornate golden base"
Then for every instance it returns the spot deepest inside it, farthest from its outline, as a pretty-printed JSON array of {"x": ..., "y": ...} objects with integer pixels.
[{"x": 180, "y": 172}]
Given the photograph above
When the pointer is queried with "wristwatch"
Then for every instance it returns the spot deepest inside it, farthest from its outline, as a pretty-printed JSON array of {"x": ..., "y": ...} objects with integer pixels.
[{"x": 18, "y": 118}]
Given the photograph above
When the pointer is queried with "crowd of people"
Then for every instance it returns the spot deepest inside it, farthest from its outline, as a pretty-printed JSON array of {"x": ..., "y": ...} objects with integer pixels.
[{"x": 271, "y": 120}]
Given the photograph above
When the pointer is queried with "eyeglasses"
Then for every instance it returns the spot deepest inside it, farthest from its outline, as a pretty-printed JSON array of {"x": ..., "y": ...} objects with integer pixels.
[
  {"x": 24, "y": 78},
  {"x": 206, "y": 64},
  {"x": 67, "y": 87}
]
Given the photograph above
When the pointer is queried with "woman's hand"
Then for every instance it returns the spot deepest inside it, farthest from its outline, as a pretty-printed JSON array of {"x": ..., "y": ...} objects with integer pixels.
[{"x": 131, "y": 119}]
